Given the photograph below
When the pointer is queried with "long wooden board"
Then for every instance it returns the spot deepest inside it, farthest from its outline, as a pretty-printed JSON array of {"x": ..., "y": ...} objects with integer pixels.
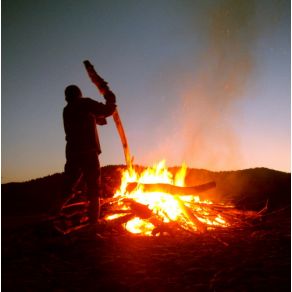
[
  {"x": 123, "y": 138},
  {"x": 103, "y": 88}
]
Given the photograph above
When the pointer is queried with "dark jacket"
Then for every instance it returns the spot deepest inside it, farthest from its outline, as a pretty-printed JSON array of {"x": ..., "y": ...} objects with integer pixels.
[{"x": 80, "y": 118}]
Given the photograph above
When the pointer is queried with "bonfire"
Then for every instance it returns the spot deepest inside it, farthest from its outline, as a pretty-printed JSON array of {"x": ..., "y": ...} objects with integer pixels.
[{"x": 155, "y": 202}]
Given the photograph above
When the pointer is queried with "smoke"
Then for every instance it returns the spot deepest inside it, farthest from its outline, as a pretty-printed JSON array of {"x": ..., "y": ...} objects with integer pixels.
[{"x": 203, "y": 135}]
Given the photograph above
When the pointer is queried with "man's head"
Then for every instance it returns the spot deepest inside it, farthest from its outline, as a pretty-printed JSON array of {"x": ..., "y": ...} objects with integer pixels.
[{"x": 72, "y": 92}]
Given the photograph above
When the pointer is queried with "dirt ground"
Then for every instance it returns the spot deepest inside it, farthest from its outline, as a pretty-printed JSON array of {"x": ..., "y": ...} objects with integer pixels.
[{"x": 36, "y": 258}]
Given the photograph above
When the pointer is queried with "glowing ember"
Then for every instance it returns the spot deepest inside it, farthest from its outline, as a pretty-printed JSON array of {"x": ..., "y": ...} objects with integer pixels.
[{"x": 148, "y": 211}]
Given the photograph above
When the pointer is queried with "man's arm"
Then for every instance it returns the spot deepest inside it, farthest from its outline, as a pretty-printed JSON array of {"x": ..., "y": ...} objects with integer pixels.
[{"x": 100, "y": 110}]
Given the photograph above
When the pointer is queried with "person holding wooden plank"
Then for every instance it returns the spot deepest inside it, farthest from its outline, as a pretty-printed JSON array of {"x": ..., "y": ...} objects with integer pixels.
[{"x": 80, "y": 117}]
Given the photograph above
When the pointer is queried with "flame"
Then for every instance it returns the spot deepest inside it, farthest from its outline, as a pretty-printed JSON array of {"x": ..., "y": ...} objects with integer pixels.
[{"x": 152, "y": 212}]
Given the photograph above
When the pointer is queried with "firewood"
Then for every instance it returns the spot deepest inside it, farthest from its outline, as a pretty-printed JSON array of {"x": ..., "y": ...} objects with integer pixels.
[
  {"x": 117, "y": 212},
  {"x": 164, "y": 228},
  {"x": 75, "y": 205},
  {"x": 172, "y": 189},
  {"x": 121, "y": 220},
  {"x": 140, "y": 210},
  {"x": 74, "y": 209},
  {"x": 189, "y": 214}
]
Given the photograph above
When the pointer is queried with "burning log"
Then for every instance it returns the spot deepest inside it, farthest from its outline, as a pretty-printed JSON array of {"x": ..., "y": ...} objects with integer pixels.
[
  {"x": 140, "y": 210},
  {"x": 171, "y": 189},
  {"x": 117, "y": 212},
  {"x": 189, "y": 214},
  {"x": 121, "y": 220}
]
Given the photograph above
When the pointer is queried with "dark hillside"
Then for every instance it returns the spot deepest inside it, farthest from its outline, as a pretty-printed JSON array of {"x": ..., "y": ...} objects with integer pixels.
[
  {"x": 39, "y": 195},
  {"x": 249, "y": 189}
]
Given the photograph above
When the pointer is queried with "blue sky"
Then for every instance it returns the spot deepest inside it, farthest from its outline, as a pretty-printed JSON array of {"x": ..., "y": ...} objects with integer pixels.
[{"x": 201, "y": 82}]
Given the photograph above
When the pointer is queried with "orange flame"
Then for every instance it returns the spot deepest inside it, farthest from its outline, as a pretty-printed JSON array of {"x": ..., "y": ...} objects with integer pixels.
[{"x": 186, "y": 212}]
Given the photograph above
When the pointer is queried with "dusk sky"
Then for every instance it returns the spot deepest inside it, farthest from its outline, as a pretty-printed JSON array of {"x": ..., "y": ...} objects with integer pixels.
[{"x": 202, "y": 82}]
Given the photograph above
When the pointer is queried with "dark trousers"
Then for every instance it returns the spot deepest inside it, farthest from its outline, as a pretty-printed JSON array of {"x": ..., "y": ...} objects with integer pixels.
[{"x": 84, "y": 166}]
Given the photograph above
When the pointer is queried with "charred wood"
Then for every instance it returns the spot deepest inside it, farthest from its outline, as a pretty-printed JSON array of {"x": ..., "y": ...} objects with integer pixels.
[
  {"x": 140, "y": 210},
  {"x": 172, "y": 189}
]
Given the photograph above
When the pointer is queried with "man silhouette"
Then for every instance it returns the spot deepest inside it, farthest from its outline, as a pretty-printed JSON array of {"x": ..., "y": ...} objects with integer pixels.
[{"x": 80, "y": 117}]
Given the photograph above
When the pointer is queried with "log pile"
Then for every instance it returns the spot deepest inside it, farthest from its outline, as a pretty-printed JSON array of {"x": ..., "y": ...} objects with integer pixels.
[{"x": 196, "y": 217}]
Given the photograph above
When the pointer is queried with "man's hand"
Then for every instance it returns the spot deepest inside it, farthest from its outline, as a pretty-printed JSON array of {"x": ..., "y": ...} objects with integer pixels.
[{"x": 109, "y": 97}]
